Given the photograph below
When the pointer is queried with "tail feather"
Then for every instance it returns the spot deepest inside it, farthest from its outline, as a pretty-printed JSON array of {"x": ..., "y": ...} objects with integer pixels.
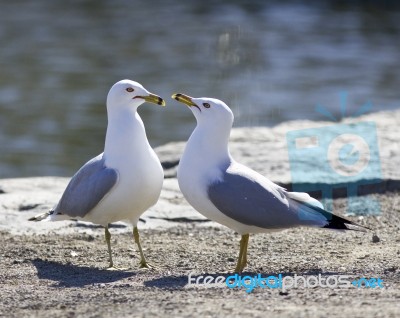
[
  {"x": 334, "y": 221},
  {"x": 41, "y": 216},
  {"x": 338, "y": 223}
]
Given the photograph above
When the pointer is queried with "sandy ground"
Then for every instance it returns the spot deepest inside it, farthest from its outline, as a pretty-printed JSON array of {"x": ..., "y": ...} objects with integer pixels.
[
  {"x": 63, "y": 275},
  {"x": 58, "y": 269}
]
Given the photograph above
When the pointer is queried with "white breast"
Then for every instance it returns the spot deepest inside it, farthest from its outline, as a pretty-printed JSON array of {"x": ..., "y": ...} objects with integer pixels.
[
  {"x": 196, "y": 170},
  {"x": 140, "y": 173}
]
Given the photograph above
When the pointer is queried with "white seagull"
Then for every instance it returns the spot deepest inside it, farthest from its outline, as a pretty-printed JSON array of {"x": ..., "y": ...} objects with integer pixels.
[
  {"x": 122, "y": 182},
  {"x": 234, "y": 195}
]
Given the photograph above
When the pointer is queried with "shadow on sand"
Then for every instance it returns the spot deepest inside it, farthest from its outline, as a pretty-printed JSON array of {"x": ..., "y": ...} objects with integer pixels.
[{"x": 76, "y": 276}]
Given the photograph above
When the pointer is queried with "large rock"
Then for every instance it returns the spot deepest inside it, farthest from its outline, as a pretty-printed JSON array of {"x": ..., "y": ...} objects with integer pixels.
[
  {"x": 266, "y": 149},
  {"x": 26, "y": 197},
  {"x": 263, "y": 149}
]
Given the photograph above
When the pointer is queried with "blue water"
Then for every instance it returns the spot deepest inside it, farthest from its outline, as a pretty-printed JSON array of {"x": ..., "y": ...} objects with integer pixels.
[{"x": 270, "y": 63}]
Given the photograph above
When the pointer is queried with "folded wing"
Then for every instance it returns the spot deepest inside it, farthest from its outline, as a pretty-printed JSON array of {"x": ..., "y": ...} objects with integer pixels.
[
  {"x": 87, "y": 188},
  {"x": 249, "y": 198}
]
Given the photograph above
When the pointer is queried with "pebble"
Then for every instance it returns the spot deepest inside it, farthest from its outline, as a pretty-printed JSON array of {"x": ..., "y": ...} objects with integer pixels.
[{"x": 375, "y": 238}]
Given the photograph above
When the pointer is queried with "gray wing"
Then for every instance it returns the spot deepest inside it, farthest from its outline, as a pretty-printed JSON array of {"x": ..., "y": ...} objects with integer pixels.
[
  {"x": 87, "y": 188},
  {"x": 242, "y": 198}
]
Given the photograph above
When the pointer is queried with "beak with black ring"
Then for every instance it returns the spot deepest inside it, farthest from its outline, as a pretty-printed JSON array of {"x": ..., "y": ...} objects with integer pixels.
[
  {"x": 152, "y": 98},
  {"x": 185, "y": 99}
]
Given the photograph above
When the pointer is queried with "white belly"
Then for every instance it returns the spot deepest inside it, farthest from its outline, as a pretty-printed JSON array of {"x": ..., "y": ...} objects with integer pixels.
[{"x": 138, "y": 188}]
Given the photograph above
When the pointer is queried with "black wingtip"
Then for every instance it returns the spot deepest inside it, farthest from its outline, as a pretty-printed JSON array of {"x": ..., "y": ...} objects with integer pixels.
[
  {"x": 41, "y": 216},
  {"x": 339, "y": 223},
  {"x": 336, "y": 222}
]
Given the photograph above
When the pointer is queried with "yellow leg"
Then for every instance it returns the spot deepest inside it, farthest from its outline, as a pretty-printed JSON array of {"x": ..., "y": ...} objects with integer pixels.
[
  {"x": 244, "y": 252},
  {"x": 242, "y": 259},
  {"x": 239, "y": 262},
  {"x": 143, "y": 262},
  {"x": 107, "y": 234}
]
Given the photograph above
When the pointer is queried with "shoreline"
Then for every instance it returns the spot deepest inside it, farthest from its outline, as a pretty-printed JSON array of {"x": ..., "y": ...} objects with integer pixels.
[
  {"x": 58, "y": 268},
  {"x": 262, "y": 149}
]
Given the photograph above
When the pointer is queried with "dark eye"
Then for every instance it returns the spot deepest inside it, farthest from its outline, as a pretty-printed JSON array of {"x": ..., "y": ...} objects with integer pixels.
[
  {"x": 206, "y": 105},
  {"x": 130, "y": 89}
]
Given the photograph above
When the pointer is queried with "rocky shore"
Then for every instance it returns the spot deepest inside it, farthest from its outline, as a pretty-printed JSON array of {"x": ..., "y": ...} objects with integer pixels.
[{"x": 56, "y": 269}]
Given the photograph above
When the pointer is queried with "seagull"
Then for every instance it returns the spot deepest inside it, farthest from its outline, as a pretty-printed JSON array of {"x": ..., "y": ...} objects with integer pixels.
[
  {"x": 234, "y": 195},
  {"x": 122, "y": 182}
]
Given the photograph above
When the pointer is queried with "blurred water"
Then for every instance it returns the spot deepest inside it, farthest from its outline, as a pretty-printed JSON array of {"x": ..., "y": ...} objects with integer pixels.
[{"x": 270, "y": 63}]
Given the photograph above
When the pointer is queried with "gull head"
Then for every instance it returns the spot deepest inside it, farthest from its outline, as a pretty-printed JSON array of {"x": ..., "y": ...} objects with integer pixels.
[
  {"x": 208, "y": 111},
  {"x": 127, "y": 93}
]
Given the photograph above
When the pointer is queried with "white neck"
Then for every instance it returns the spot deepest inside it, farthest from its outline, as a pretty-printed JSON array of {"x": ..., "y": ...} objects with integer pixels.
[
  {"x": 207, "y": 147},
  {"x": 125, "y": 129}
]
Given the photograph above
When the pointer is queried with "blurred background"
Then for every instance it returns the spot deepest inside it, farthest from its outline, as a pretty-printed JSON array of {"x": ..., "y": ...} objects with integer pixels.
[{"x": 271, "y": 61}]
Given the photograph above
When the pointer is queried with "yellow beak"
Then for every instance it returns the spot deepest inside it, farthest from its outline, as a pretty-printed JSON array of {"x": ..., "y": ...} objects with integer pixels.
[
  {"x": 152, "y": 98},
  {"x": 184, "y": 99}
]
